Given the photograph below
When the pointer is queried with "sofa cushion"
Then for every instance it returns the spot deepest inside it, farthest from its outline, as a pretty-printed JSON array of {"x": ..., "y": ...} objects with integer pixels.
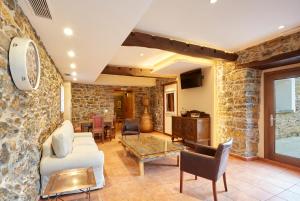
[
  {"x": 83, "y": 134},
  {"x": 47, "y": 148},
  {"x": 85, "y": 148},
  {"x": 61, "y": 143},
  {"x": 67, "y": 128},
  {"x": 83, "y": 140},
  {"x": 82, "y": 159}
]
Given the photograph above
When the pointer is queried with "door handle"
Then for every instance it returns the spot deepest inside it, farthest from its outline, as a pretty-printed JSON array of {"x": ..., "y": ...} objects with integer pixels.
[{"x": 272, "y": 119}]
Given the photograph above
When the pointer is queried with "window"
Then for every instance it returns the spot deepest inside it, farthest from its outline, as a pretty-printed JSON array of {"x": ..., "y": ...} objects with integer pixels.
[
  {"x": 285, "y": 95},
  {"x": 170, "y": 102}
]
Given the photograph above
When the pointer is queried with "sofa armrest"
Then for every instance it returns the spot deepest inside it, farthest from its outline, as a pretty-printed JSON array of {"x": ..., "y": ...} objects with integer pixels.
[
  {"x": 83, "y": 134},
  {"x": 198, "y": 164},
  {"x": 50, "y": 165}
]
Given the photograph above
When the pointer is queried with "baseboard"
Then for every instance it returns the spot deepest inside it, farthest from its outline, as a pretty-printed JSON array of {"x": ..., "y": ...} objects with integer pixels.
[
  {"x": 244, "y": 158},
  {"x": 167, "y": 134},
  {"x": 280, "y": 164}
]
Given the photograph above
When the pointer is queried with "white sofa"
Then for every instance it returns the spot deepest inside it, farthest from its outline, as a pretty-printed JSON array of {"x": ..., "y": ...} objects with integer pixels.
[{"x": 83, "y": 152}]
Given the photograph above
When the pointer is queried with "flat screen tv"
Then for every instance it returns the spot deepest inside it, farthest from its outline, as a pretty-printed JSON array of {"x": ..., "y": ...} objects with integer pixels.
[{"x": 191, "y": 79}]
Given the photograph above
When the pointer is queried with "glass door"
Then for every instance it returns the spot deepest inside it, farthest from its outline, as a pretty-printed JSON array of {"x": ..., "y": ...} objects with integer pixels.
[{"x": 282, "y": 112}]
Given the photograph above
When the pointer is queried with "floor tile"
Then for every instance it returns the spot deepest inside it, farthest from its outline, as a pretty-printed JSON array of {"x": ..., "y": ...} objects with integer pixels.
[{"x": 247, "y": 181}]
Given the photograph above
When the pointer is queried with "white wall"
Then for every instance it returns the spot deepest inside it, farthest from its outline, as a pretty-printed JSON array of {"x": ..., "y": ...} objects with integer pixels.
[
  {"x": 200, "y": 98},
  {"x": 67, "y": 101},
  {"x": 168, "y": 115}
]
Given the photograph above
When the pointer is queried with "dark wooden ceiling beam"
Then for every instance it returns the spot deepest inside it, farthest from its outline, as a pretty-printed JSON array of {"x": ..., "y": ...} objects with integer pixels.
[
  {"x": 137, "y": 72},
  {"x": 150, "y": 41},
  {"x": 275, "y": 61}
]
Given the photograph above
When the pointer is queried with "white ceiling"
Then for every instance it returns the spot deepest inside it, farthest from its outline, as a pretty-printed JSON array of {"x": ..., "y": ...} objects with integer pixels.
[
  {"x": 131, "y": 57},
  {"x": 228, "y": 25},
  {"x": 180, "y": 67},
  {"x": 100, "y": 27}
]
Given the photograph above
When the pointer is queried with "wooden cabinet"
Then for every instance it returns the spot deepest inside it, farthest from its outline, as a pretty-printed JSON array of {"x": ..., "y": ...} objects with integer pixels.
[{"x": 191, "y": 129}]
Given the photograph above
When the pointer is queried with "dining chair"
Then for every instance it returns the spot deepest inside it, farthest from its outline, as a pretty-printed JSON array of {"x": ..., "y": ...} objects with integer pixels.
[{"x": 98, "y": 127}]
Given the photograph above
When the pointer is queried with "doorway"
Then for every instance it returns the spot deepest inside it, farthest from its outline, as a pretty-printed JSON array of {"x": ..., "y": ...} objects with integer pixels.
[
  {"x": 170, "y": 105},
  {"x": 282, "y": 115},
  {"x": 124, "y": 106}
]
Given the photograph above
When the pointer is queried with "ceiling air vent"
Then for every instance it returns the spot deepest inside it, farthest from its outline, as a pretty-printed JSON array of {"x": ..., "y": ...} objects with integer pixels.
[
  {"x": 40, "y": 8},
  {"x": 67, "y": 74}
]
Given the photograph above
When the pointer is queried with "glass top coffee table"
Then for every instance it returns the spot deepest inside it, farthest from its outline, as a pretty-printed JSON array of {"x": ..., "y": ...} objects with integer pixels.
[
  {"x": 149, "y": 148},
  {"x": 81, "y": 179}
]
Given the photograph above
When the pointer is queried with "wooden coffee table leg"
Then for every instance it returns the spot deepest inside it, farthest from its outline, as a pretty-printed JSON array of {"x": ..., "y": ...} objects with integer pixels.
[
  {"x": 141, "y": 165},
  {"x": 178, "y": 160}
]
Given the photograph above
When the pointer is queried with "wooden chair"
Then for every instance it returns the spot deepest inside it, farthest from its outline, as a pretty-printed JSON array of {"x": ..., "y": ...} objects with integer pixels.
[
  {"x": 206, "y": 162},
  {"x": 98, "y": 127}
]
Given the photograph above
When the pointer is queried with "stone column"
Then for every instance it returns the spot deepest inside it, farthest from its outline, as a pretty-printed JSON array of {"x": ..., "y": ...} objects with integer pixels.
[{"x": 238, "y": 107}]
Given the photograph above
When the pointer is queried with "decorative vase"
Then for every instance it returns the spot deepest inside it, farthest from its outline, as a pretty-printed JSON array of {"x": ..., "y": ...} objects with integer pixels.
[{"x": 146, "y": 120}]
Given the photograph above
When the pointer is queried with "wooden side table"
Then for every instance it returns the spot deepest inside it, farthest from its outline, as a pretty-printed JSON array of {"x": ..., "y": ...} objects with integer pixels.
[{"x": 82, "y": 179}]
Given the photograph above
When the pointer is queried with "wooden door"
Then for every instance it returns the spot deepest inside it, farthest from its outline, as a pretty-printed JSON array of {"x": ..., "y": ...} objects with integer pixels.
[
  {"x": 282, "y": 115},
  {"x": 129, "y": 102},
  {"x": 170, "y": 105}
]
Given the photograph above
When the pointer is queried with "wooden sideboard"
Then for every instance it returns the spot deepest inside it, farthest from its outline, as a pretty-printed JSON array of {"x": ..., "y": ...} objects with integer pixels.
[{"x": 191, "y": 130}]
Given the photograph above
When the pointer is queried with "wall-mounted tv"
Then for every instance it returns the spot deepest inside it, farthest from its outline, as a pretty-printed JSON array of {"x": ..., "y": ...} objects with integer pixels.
[{"x": 191, "y": 79}]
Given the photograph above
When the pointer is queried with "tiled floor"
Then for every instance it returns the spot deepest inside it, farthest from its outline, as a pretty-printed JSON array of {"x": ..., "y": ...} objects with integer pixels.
[
  {"x": 247, "y": 181},
  {"x": 288, "y": 146}
]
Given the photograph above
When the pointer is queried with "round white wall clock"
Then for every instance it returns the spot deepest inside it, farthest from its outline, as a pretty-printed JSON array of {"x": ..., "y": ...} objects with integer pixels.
[{"x": 24, "y": 62}]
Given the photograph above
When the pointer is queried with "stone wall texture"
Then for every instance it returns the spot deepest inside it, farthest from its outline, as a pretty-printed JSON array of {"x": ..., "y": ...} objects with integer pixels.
[
  {"x": 270, "y": 48},
  {"x": 238, "y": 107},
  {"x": 26, "y": 117},
  {"x": 238, "y": 95},
  {"x": 288, "y": 124},
  {"x": 94, "y": 99}
]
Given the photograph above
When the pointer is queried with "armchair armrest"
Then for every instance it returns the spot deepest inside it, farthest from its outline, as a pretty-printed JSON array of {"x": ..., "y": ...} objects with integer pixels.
[
  {"x": 203, "y": 149},
  {"x": 198, "y": 164}
]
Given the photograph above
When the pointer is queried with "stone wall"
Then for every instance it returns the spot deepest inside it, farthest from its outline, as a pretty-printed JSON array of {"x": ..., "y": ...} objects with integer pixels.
[
  {"x": 270, "y": 48},
  {"x": 238, "y": 107},
  {"x": 26, "y": 117},
  {"x": 95, "y": 99},
  {"x": 288, "y": 124},
  {"x": 238, "y": 94}
]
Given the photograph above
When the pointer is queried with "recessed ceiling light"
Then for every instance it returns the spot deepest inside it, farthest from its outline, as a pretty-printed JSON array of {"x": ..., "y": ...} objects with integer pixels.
[
  {"x": 141, "y": 54},
  {"x": 73, "y": 73},
  {"x": 213, "y": 1},
  {"x": 68, "y": 31},
  {"x": 71, "y": 53},
  {"x": 74, "y": 79},
  {"x": 73, "y": 65},
  {"x": 281, "y": 27}
]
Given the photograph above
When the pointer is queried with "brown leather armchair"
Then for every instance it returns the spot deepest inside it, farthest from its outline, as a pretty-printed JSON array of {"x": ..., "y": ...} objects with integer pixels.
[
  {"x": 206, "y": 162},
  {"x": 131, "y": 127}
]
